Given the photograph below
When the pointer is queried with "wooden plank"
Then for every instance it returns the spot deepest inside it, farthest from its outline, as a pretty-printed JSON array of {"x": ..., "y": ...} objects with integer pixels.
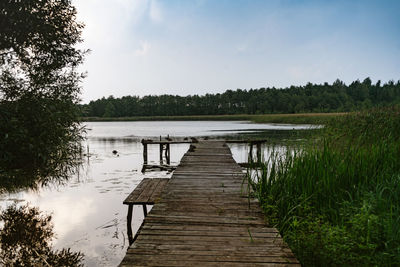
[
  {"x": 207, "y": 228},
  {"x": 144, "y": 197},
  {"x": 136, "y": 193},
  {"x": 154, "y": 142},
  {"x": 204, "y": 217},
  {"x": 193, "y": 260},
  {"x": 210, "y": 246},
  {"x": 282, "y": 258},
  {"x": 175, "y": 251},
  {"x": 158, "y": 190},
  {"x": 226, "y": 233},
  {"x": 139, "y": 261},
  {"x": 213, "y": 250},
  {"x": 147, "y": 192}
]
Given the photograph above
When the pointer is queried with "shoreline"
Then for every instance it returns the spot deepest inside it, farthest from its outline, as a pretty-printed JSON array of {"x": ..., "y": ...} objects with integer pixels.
[{"x": 299, "y": 118}]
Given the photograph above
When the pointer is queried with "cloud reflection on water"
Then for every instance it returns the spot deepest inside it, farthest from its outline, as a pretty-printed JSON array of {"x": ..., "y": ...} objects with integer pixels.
[{"x": 88, "y": 213}]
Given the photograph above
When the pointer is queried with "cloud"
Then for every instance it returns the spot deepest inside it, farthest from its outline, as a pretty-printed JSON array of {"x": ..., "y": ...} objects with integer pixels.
[
  {"x": 155, "y": 11},
  {"x": 197, "y": 47},
  {"x": 65, "y": 216},
  {"x": 143, "y": 49}
]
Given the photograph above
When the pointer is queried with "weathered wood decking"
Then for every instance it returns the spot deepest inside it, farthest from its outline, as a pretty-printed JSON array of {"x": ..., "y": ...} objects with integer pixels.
[
  {"x": 204, "y": 219},
  {"x": 146, "y": 193}
]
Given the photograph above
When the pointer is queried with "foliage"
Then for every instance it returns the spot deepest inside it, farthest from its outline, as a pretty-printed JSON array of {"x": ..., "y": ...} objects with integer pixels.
[
  {"x": 315, "y": 98},
  {"x": 39, "y": 87},
  {"x": 25, "y": 240},
  {"x": 337, "y": 202}
]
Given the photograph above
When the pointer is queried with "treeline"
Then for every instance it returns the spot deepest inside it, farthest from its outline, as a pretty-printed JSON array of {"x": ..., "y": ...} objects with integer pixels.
[{"x": 335, "y": 97}]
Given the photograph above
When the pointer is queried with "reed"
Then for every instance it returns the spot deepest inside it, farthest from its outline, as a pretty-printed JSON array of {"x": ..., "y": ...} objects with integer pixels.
[{"x": 337, "y": 201}]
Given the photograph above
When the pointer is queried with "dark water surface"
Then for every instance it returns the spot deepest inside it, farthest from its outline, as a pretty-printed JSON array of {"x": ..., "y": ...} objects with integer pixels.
[{"x": 88, "y": 214}]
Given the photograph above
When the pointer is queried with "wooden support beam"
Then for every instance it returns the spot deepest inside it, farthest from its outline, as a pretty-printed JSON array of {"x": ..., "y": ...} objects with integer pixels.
[
  {"x": 168, "y": 154},
  {"x": 258, "y": 152},
  {"x": 144, "y": 210},
  {"x": 251, "y": 153},
  {"x": 129, "y": 223},
  {"x": 144, "y": 152},
  {"x": 161, "y": 151},
  {"x": 156, "y": 142},
  {"x": 146, "y": 193}
]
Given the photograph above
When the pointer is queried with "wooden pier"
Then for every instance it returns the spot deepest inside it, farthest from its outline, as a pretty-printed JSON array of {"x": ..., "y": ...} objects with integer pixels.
[{"x": 204, "y": 217}]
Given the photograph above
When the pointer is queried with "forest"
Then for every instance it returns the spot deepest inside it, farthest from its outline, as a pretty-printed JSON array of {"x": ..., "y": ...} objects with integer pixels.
[{"x": 335, "y": 97}]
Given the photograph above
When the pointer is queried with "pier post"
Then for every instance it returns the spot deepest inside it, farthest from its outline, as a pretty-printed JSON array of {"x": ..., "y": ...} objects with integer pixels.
[
  {"x": 167, "y": 154},
  {"x": 144, "y": 151},
  {"x": 161, "y": 150},
  {"x": 129, "y": 224},
  {"x": 144, "y": 210},
  {"x": 258, "y": 152},
  {"x": 251, "y": 153}
]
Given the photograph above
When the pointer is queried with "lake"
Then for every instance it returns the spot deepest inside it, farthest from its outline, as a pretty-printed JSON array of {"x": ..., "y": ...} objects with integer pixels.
[{"x": 87, "y": 212}]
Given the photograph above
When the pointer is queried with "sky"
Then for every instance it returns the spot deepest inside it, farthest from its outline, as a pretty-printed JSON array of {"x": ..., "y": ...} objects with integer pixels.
[{"x": 153, "y": 47}]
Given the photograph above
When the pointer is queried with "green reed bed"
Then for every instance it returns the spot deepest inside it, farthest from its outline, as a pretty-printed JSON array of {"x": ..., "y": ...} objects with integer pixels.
[{"x": 337, "y": 201}]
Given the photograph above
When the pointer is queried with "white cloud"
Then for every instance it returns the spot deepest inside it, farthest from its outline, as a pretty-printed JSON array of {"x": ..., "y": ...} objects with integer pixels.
[
  {"x": 65, "y": 216},
  {"x": 201, "y": 47},
  {"x": 109, "y": 24},
  {"x": 112, "y": 34},
  {"x": 155, "y": 11},
  {"x": 143, "y": 49}
]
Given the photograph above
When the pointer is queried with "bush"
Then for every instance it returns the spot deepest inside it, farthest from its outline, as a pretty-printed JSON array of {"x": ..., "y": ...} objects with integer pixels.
[
  {"x": 39, "y": 88},
  {"x": 39, "y": 142}
]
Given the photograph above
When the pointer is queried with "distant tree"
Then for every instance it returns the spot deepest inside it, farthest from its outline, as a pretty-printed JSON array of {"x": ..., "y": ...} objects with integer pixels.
[
  {"x": 109, "y": 110},
  {"x": 39, "y": 88},
  {"x": 335, "y": 97}
]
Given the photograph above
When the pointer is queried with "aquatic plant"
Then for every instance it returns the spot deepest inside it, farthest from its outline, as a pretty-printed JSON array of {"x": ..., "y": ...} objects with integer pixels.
[{"x": 337, "y": 201}]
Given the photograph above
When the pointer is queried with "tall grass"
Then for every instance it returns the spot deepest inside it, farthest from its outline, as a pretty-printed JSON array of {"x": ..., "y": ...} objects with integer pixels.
[{"x": 337, "y": 201}]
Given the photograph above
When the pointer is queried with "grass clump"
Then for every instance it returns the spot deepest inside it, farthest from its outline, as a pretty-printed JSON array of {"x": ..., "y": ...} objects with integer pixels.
[{"x": 337, "y": 201}]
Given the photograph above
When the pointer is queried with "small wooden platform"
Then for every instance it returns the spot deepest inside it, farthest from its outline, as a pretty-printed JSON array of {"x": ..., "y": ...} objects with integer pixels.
[
  {"x": 205, "y": 218},
  {"x": 146, "y": 193},
  {"x": 164, "y": 146}
]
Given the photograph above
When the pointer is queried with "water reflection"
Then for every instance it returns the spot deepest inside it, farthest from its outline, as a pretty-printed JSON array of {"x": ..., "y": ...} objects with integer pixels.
[
  {"x": 87, "y": 212},
  {"x": 25, "y": 237},
  {"x": 139, "y": 129}
]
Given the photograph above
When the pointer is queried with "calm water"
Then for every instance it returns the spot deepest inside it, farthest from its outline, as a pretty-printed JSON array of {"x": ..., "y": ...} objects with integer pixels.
[{"x": 88, "y": 214}]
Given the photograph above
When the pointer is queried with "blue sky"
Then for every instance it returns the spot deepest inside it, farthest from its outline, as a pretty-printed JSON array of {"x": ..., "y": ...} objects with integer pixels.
[{"x": 142, "y": 47}]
